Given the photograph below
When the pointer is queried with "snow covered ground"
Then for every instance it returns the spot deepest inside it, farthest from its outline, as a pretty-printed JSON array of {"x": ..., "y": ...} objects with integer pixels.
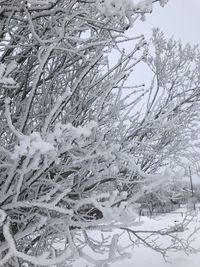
[{"x": 146, "y": 257}]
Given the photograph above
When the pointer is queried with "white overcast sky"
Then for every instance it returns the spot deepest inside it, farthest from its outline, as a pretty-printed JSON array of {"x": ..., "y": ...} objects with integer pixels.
[{"x": 180, "y": 18}]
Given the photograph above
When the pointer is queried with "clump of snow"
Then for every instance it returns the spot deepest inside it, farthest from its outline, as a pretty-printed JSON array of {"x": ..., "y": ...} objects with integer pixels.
[
  {"x": 145, "y": 6},
  {"x": 33, "y": 146},
  {"x": 84, "y": 131},
  {"x": 124, "y": 214},
  {"x": 41, "y": 2},
  {"x": 36, "y": 147},
  {"x": 114, "y": 7},
  {"x": 124, "y": 194},
  {"x": 163, "y": 2},
  {"x": 63, "y": 131},
  {"x": 3, "y": 216},
  {"x": 10, "y": 67},
  {"x": 5, "y": 71},
  {"x": 126, "y": 8}
]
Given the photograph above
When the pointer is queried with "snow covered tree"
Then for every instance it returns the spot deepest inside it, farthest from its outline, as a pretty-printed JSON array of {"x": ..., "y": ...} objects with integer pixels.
[{"x": 75, "y": 152}]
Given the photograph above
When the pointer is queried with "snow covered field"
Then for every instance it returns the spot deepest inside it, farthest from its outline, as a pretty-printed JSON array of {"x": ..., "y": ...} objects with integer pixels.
[{"x": 146, "y": 257}]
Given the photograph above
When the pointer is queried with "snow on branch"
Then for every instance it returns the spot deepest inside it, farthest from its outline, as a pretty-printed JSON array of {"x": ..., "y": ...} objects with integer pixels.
[
  {"x": 5, "y": 71},
  {"x": 81, "y": 145},
  {"x": 126, "y": 8}
]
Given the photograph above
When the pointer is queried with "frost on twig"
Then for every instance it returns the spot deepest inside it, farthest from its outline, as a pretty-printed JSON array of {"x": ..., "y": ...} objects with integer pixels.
[{"x": 80, "y": 145}]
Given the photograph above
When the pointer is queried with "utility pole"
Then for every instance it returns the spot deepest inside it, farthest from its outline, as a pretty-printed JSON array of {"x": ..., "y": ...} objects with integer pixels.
[{"x": 192, "y": 188}]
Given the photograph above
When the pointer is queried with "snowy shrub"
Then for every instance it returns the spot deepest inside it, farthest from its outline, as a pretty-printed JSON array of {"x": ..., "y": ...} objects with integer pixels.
[{"x": 79, "y": 144}]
